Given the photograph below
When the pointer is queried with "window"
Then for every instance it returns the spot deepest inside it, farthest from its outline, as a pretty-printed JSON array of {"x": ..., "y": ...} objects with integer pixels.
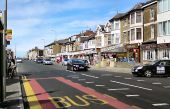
[
  {"x": 169, "y": 27},
  {"x": 165, "y": 5},
  {"x": 132, "y": 18},
  {"x": 160, "y": 6},
  {"x": 152, "y": 31},
  {"x": 132, "y": 34},
  {"x": 138, "y": 17},
  {"x": 117, "y": 40},
  {"x": 152, "y": 13},
  {"x": 112, "y": 25},
  {"x": 109, "y": 40},
  {"x": 160, "y": 29},
  {"x": 116, "y": 25},
  {"x": 138, "y": 34},
  {"x": 149, "y": 55},
  {"x": 112, "y": 38},
  {"x": 166, "y": 54},
  {"x": 165, "y": 28}
]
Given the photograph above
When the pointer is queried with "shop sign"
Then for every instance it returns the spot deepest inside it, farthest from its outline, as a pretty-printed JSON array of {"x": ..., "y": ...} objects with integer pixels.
[
  {"x": 9, "y": 34},
  {"x": 164, "y": 45},
  {"x": 110, "y": 48},
  {"x": 131, "y": 46},
  {"x": 148, "y": 46}
]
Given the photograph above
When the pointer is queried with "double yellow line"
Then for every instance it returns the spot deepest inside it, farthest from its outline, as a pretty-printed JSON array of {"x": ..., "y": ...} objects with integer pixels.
[{"x": 31, "y": 97}]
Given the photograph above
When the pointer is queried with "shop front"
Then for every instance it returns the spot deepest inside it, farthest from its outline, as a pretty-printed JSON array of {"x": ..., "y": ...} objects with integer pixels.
[
  {"x": 149, "y": 52},
  {"x": 133, "y": 52}
]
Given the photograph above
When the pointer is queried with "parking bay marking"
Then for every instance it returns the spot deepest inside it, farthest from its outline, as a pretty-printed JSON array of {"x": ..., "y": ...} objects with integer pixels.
[
  {"x": 118, "y": 89},
  {"x": 132, "y": 95},
  {"x": 99, "y": 85},
  {"x": 166, "y": 86},
  {"x": 90, "y": 76},
  {"x": 156, "y": 83},
  {"x": 161, "y": 104},
  {"x": 130, "y": 85}
]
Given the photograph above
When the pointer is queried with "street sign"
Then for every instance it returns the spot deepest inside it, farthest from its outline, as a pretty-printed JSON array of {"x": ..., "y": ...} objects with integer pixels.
[{"x": 8, "y": 34}]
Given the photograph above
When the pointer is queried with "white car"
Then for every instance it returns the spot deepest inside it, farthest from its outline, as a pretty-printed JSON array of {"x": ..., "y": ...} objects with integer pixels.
[
  {"x": 18, "y": 60},
  {"x": 47, "y": 62}
]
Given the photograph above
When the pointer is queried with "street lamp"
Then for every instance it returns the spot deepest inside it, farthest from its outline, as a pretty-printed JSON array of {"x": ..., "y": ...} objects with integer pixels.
[{"x": 43, "y": 48}]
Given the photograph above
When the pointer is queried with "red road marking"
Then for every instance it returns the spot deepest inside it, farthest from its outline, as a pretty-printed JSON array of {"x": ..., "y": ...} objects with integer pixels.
[
  {"x": 42, "y": 95},
  {"x": 112, "y": 102}
]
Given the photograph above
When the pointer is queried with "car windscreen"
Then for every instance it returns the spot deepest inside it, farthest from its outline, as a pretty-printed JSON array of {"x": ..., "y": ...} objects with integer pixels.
[
  {"x": 78, "y": 61},
  {"x": 47, "y": 60}
]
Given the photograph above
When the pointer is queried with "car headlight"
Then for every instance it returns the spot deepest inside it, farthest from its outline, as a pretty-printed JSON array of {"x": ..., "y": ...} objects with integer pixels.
[
  {"x": 76, "y": 65},
  {"x": 140, "y": 67}
]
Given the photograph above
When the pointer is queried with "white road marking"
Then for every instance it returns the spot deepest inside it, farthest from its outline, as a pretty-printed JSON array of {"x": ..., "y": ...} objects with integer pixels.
[
  {"x": 75, "y": 77},
  {"x": 81, "y": 79},
  {"x": 89, "y": 76},
  {"x": 128, "y": 78},
  {"x": 140, "y": 80},
  {"x": 156, "y": 83},
  {"x": 100, "y": 85},
  {"x": 89, "y": 82},
  {"x": 118, "y": 89},
  {"x": 106, "y": 75},
  {"x": 117, "y": 76},
  {"x": 161, "y": 104},
  {"x": 166, "y": 86},
  {"x": 71, "y": 71},
  {"x": 131, "y": 85},
  {"x": 132, "y": 95}
]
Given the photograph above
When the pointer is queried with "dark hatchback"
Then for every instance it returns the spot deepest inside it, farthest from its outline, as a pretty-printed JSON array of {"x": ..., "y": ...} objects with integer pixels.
[
  {"x": 39, "y": 61},
  {"x": 159, "y": 67},
  {"x": 77, "y": 64}
]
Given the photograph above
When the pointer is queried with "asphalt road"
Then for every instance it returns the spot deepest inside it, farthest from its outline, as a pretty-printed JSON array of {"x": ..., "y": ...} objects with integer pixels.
[{"x": 53, "y": 87}]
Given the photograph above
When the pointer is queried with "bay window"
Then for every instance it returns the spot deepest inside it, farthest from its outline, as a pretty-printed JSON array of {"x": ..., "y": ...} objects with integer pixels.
[
  {"x": 138, "y": 17},
  {"x": 132, "y": 18},
  {"x": 132, "y": 34},
  {"x": 138, "y": 34}
]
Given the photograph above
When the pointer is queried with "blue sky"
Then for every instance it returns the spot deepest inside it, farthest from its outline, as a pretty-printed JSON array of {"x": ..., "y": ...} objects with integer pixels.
[{"x": 33, "y": 21}]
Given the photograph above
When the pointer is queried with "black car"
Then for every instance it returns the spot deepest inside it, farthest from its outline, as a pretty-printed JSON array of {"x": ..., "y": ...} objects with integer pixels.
[
  {"x": 159, "y": 67},
  {"x": 39, "y": 61},
  {"x": 76, "y": 64}
]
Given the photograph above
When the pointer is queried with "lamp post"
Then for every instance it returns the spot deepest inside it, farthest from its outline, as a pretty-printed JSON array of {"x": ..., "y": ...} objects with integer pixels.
[
  {"x": 3, "y": 62},
  {"x": 43, "y": 47}
]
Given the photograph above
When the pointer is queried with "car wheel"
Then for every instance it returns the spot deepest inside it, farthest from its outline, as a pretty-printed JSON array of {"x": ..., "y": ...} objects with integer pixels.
[{"x": 148, "y": 73}]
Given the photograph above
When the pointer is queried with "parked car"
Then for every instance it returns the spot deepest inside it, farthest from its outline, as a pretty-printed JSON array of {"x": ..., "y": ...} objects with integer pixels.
[
  {"x": 47, "y": 62},
  {"x": 86, "y": 62},
  {"x": 159, "y": 67},
  {"x": 39, "y": 61},
  {"x": 65, "y": 61},
  {"x": 19, "y": 60},
  {"x": 76, "y": 64}
]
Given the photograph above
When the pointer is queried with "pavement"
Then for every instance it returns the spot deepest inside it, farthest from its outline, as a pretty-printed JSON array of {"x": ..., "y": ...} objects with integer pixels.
[
  {"x": 112, "y": 69},
  {"x": 13, "y": 95}
]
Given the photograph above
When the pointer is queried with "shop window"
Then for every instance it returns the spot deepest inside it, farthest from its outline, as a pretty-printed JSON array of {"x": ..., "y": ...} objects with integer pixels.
[
  {"x": 148, "y": 55},
  {"x": 166, "y": 54},
  {"x": 132, "y": 34},
  {"x": 138, "y": 34}
]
